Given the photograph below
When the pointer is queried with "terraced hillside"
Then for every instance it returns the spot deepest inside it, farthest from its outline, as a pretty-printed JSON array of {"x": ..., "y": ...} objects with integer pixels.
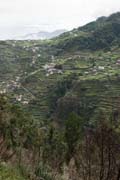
[{"x": 51, "y": 84}]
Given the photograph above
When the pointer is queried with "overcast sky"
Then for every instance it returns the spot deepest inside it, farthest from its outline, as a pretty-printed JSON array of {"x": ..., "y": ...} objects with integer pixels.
[{"x": 25, "y": 16}]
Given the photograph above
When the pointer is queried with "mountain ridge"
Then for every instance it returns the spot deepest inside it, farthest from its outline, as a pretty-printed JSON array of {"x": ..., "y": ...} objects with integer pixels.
[
  {"x": 100, "y": 34},
  {"x": 42, "y": 35}
]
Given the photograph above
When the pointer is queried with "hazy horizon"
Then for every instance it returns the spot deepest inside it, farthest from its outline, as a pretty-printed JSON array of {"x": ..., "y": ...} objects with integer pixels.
[{"x": 22, "y": 17}]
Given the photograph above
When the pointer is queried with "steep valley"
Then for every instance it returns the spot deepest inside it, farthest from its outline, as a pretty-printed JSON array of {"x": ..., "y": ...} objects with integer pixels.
[{"x": 60, "y": 105}]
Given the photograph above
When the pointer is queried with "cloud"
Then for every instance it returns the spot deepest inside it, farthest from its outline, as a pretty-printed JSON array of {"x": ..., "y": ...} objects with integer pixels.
[{"x": 53, "y": 14}]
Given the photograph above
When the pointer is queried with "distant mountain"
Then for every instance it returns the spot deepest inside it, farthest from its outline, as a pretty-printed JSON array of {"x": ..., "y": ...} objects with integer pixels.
[{"x": 42, "y": 35}]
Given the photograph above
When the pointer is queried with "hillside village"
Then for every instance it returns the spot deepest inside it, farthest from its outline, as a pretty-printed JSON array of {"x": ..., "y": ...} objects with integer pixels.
[
  {"x": 85, "y": 65},
  {"x": 60, "y": 105}
]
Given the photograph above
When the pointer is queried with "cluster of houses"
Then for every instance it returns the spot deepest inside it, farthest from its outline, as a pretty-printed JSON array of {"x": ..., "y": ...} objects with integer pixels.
[
  {"x": 118, "y": 62},
  {"x": 35, "y": 59},
  {"x": 3, "y": 91},
  {"x": 20, "y": 98},
  {"x": 52, "y": 68},
  {"x": 101, "y": 68},
  {"x": 95, "y": 70},
  {"x": 11, "y": 85}
]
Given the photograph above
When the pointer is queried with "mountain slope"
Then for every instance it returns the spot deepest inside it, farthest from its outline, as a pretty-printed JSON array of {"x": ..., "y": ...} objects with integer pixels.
[
  {"x": 101, "y": 34},
  {"x": 41, "y": 75}
]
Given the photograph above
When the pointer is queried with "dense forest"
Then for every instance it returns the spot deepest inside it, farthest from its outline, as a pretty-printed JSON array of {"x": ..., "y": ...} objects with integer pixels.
[{"x": 60, "y": 105}]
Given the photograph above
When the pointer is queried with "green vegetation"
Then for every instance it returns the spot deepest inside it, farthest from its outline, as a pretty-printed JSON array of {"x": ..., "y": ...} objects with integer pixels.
[
  {"x": 60, "y": 105},
  {"x": 45, "y": 152},
  {"x": 8, "y": 173},
  {"x": 101, "y": 34}
]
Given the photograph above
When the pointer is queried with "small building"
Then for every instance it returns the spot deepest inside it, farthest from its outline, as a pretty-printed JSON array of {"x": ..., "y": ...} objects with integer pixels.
[
  {"x": 101, "y": 68},
  {"x": 118, "y": 62}
]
